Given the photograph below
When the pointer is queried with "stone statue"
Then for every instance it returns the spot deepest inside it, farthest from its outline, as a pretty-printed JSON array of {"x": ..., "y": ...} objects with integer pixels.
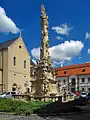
[{"x": 43, "y": 10}]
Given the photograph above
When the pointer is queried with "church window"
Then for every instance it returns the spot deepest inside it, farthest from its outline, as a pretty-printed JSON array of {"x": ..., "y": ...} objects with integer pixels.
[
  {"x": 14, "y": 61},
  {"x": 24, "y": 64},
  {"x": 13, "y": 89}
]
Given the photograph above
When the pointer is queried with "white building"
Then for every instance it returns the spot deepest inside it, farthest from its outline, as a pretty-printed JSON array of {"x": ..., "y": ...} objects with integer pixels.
[{"x": 74, "y": 78}]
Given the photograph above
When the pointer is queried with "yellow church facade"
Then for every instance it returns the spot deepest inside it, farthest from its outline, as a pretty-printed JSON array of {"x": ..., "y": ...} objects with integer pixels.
[{"x": 14, "y": 66}]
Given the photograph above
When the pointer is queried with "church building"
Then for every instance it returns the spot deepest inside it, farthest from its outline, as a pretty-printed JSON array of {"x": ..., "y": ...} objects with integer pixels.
[{"x": 14, "y": 66}]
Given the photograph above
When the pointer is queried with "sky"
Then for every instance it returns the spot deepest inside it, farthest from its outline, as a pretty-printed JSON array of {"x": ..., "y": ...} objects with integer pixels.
[{"x": 69, "y": 28}]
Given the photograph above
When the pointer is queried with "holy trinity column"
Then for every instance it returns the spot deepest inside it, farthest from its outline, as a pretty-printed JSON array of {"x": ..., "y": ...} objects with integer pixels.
[{"x": 44, "y": 74}]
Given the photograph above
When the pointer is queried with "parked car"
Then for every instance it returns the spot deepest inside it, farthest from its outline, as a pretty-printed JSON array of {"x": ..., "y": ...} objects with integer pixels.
[
  {"x": 83, "y": 95},
  {"x": 6, "y": 95},
  {"x": 88, "y": 96},
  {"x": 77, "y": 93}
]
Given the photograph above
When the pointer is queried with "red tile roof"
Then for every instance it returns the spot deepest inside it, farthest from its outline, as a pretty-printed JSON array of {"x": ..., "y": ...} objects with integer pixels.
[{"x": 78, "y": 69}]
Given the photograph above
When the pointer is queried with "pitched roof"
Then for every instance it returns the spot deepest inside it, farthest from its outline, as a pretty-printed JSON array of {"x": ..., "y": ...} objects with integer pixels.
[
  {"x": 77, "y": 69},
  {"x": 6, "y": 44}
]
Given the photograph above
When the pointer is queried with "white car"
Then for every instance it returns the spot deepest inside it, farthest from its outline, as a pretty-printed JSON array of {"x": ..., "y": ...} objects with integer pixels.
[
  {"x": 83, "y": 95},
  {"x": 6, "y": 95}
]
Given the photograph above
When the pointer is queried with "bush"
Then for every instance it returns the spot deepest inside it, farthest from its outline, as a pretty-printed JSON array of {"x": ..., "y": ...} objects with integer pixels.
[{"x": 20, "y": 107}]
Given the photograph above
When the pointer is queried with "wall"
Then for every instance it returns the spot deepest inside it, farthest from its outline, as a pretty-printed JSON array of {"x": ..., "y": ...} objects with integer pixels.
[
  {"x": 17, "y": 74},
  {"x": 4, "y": 68},
  {"x": 78, "y": 78}
]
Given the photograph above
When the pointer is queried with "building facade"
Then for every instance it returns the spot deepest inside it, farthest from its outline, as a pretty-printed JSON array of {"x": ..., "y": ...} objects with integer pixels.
[
  {"x": 44, "y": 83},
  {"x": 73, "y": 78},
  {"x": 14, "y": 66}
]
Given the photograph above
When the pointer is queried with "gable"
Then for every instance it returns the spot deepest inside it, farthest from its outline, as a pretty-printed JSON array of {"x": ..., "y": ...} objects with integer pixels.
[{"x": 19, "y": 45}]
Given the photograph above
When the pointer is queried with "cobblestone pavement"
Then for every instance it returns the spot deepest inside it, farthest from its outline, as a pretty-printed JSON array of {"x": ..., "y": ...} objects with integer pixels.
[
  {"x": 32, "y": 117},
  {"x": 35, "y": 117}
]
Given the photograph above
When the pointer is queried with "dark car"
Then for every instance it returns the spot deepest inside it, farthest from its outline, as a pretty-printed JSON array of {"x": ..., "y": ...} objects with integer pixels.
[{"x": 88, "y": 96}]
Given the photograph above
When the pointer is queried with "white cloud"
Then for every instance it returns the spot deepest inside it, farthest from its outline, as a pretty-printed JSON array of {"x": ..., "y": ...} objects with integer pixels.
[
  {"x": 88, "y": 62},
  {"x": 88, "y": 51},
  {"x": 6, "y": 23},
  {"x": 59, "y": 38},
  {"x": 34, "y": 61},
  {"x": 66, "y": 50},
  {"x": 64, "y": 29},
  {"x": 87, "y": 36},
  {"x": 35, "y": 52},
  {"x": 62, "y": 52}
]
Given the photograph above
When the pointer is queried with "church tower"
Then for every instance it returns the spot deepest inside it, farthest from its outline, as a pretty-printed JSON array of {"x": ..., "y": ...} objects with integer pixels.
[{"x": 44, "y": 76}]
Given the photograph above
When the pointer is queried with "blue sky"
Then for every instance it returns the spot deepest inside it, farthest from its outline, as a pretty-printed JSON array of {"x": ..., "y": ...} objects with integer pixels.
[{"x": 75, "y": 14}]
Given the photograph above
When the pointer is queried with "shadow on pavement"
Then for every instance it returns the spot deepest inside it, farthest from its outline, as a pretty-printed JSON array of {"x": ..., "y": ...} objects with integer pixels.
[{"x": 59, "y": 108}]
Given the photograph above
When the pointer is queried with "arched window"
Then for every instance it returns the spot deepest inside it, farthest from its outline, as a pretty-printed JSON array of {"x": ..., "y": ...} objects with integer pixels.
[
  {"x": 14, "y": 61},
  {"x": 24, "y": 64},
  {"x": 14, "y": 87}
]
